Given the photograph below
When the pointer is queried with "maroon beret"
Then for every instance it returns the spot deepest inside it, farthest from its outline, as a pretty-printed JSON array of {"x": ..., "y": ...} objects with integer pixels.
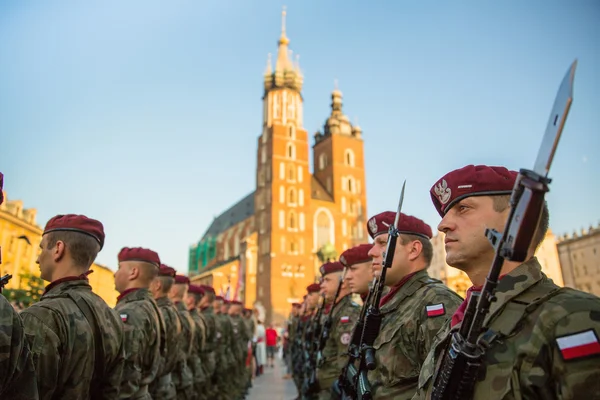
[
  {"x": 356, "y": 255},
  {"x": 195, "y": 289},
  {"x": 207, "y": 289},
  {"x": 219, "y": 298},
  {"x": 1, "y": 186},
  {"x": 139, "y": 254},
  {"x": 182, "y": 279},
  {"x": 472, "y": 180},
  {"x": 165, "y": 270},
  {"x": 380, "y": 223},
  {"x": 236, "y": 302},
  {"x": 77, "y": 223},
  {"x": 331, "y": 267},
  {"x": 226, "y": 302},
  {"x": 296, "y": 305},
  {"x": 313, "y": 287}
]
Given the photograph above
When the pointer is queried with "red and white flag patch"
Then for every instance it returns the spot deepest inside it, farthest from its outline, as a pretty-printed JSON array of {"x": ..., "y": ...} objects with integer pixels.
[
  {"x": 579, "y": 345},
  {"x": 345, "y": 320},
  {"x": 124, "y": 317},
  {"x": 435, "y": 310}
]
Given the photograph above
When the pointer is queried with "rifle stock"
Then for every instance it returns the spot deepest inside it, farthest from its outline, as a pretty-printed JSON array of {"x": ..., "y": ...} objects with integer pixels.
[{"x": 4, "y": 281}]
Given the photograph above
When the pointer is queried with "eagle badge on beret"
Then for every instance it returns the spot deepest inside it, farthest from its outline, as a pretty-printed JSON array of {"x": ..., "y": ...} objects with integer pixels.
[
  {"x": 373, "y": 225},
  {"x": 343, "y": 260},
  {"x": 443, "y": 192}
]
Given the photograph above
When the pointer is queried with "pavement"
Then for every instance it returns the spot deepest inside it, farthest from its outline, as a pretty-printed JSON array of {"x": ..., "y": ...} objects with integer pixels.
[{"x": 272, "y": 386}]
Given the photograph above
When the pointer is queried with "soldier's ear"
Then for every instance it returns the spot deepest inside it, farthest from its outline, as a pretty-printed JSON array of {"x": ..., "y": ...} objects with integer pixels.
[
  {"x": 59, "y": 250},
  {"x": 415, "y": 249},
  {"x": 134, "y": 273}
]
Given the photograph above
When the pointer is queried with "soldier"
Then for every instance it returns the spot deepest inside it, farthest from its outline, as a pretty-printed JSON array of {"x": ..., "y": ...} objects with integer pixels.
[
  {"x": 144, "y": 327},
  {"x": 75, "y": 338},
  {"x": 545, "y": 342},
  {"x": 162, "y": 387},
  {"x": 195, "y": 294},
  {"x": 289, "y": 337},
  {"x": 359, "y": 269},
  {"x": 413, "y": 310},
  {"x": 311, "y": 301},
  {"x": 343, "y": 313},
  {"x": 183, "y": 377},
  {"x": 241, "y": 338},
  {"x": 17, "y": 374},
  {"x": 211, "y": 343}
]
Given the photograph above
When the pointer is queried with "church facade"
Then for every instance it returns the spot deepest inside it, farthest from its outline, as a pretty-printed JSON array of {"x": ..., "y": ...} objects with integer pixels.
[{"x": 266, "y": 248}]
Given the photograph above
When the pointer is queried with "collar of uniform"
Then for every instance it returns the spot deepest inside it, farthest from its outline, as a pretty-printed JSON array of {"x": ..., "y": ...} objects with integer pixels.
[
  {"x": 133, "y": 294},
  {"x": 407, "y": 289},
  {"x": 164, "y": 301},
  {"x": 340, "y": 304},
  {"x": 514, "y": 283},
  {"x": 180, "y": 306},
  {"x": 67, "y": 281}
]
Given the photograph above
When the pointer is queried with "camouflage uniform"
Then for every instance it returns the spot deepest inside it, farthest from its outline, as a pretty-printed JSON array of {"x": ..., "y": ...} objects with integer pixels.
[
  {"x": 62, "y": 342},
  {"x": 537, "y": 322},
  {"x": 144, "y": 342},
  {"x": 335, "y": 353},
  {"x": 162, "y": 387},
  {"x": 406, "y": 334},
  {"x": 182, "y": 376},
  {"x": 17, "y": 373},
  {"x": 226, "y": 388},
  {"x": 241, "y": 337},
  {"x": 200, "y": 378},
  {"x": 210, "y": 347}
]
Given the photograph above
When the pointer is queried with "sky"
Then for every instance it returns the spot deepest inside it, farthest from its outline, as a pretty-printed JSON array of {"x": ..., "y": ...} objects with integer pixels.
[{"x": 144, "y": 114}]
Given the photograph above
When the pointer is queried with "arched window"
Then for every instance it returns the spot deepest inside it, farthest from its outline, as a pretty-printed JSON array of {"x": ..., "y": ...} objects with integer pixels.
[
  {"x": 291, "y": 151},
  {"x": 349, "y": 158},
  {"x": 322, "y": 161},
  {"x": 292, "y": 220},
  {"x": 292, "y": 132},
  {"x": 292, "y": 196},
  {"x": 291, "y": 173}
]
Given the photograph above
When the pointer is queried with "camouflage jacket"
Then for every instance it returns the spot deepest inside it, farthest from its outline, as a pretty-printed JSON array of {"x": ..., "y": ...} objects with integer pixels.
[
  {"x": 144, "y": 342},
  {"x": 227, "y": 340},
  {"x": 547, "y": 345},
  {"x": 198, "y": 347},
  {"x": 62, "y": 342},
  {"x": 211, "y": 329},
  {"x": 162, "y": 387},
  {"x": 241, "y": 337},
  {"x": 183, "y": 376},
  {"x": 410, "y": 321},
  {"x": 335, "y": 353},
  {"x": 17, "y": 374}
]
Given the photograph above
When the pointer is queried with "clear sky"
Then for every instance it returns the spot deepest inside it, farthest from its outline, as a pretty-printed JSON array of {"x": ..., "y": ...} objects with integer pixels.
[{"x": 144, "y": 114}]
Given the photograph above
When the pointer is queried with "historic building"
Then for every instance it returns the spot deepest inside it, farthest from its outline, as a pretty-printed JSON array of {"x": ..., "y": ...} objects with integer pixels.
[
  {"x": 102, "y": 281},
  {"x": 580, "y": 259},
  {"x": 268, "y": 246},
  {"x": 458, "y": 281}
]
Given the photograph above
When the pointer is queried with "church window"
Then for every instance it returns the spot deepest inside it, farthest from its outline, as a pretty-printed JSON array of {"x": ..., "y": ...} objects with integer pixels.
[
  {"x": 292, "y": 221},
  {"x": 300, "y": 197},
  {"x": 291, "y": 151},
  {"x": 291, "y": 132},
  {"x": 293, "y": 248},
  {"x": 263, "y": 154},
  {"x": 291, "y": 108},
  {"x": 236, "y": 245},
  {"x": 291, "y": 173},
  {"x": 226, "y": 252},
  {"x": 329, "y": 184},
  {"x": 276, "y": 106},
  {"x": 322, "y": 161},
  {"x": 300, "y": 173},
  {"x": 324, "y": 231},
  {"x": 281, "y": 171},
  {"x": 281, "y": 194},
  {"x": 349, "y": 158},
  {"x": 281, "y": 219},
  {"x": 358, "y": 207},
  {"x": 350, "y": 184},
  {"x": 292, "y": 196},
  {"x": 343, "y": 205},
  {"x": 301, "y": 221}
]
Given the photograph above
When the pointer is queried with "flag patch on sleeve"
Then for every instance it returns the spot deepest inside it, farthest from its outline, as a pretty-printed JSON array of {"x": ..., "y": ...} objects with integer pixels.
[
  {"x": 435, "y": 310},
  {"x": 578, "y": 345},
  {"x": 124, "y": 317},
  {"x": 345, "y": 320}
]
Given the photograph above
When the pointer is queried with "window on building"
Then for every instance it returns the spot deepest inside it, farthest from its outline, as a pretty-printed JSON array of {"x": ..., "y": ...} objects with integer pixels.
[
  {"x": 292, "y": 196},
  {"x": 291, "y": 151},
  {"x": 293, "y": 247},
  {"x": 263, "y": 155},
  {"x": 292, "y": 220},
  {"x": 322, "y": 161},
  {"x": 292, "y": 131},
  {"x": 291, "y": 173},
  {"x": 349, "y": 158}
]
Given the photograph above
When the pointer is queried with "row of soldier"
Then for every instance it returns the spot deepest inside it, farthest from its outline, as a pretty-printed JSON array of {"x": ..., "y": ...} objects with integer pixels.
[
  {"x": 165, "y": 339},
  {"x": 542, "y": 340}
]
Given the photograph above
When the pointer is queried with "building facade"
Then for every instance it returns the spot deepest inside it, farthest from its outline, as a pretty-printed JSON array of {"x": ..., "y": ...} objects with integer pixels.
[
  {"x": 279, "y": 235},
  {"x": 102, "y": 281},
  {"x": 458, "y": 281},
  {"x": 580, "y": 259}
]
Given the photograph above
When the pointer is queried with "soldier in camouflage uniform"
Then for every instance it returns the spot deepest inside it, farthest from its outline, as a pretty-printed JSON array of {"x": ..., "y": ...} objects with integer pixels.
[
  {"x": 182, "y": 376},
  {"x": 414, "y": 309},
  {"x": 241, "y": 338},
  {"x": 144, "y": 326},
  {"x": 311, "y": 301},
  {"x": 343, "y": 313},
  {"x": 251, "y": 327},
  {"x": 163, "y": 387},
  {"x": 229, "y": 391},
  {"x": 292, "y": 327},
  {"x": 359, "y": 269},
  {"x": 17, "y": 374},
  {"x": 75, "y": 338},
  {"x": 211, "y": 342},
  {"x": 201, "y": 382},
  {"x": 545, "y": 344},
  {"x": 222, "y": 352}
]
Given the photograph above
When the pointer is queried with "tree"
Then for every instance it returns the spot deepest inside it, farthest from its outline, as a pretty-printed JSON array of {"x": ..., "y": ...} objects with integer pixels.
[{"x": 34, "y": 289}]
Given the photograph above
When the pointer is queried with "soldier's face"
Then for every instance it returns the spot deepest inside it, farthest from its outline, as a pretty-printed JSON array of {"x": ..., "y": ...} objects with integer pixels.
[
  {"x": 464, "y": 225},
  {"x": 376, "y": 252},
  {"x": 358, "y": 277},
  {"x": 45, "y": 260},
  {"x": 329, "y": 285},
  {"x": 312, "y": 299}
]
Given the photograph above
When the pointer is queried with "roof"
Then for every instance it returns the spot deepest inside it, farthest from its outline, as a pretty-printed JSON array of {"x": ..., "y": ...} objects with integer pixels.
[
  {"x": 240, "y": 211},
  {"x": 317, "y": 191}
]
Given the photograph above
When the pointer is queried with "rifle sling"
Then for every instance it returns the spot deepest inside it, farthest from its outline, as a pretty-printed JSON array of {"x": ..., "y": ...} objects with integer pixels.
[{"x": 98, "y": 375}]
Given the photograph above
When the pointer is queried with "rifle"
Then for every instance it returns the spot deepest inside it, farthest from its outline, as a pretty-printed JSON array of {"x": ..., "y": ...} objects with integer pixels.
[
  {"x": 4, "y": 281},
  {"x": 343, "y": 387},
  {"x": 372, "y": 321},
  {"x": 309, "y": 351},
  {"x": 461, "y": 364}
]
